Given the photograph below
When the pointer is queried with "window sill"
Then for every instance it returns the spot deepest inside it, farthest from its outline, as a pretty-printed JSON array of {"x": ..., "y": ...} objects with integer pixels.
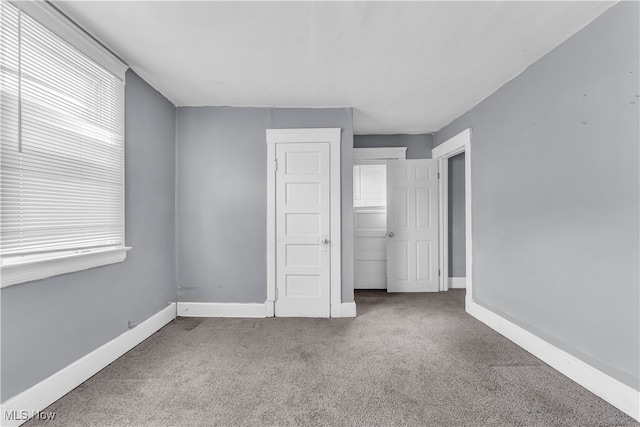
[{"x": 36, "y": 269}]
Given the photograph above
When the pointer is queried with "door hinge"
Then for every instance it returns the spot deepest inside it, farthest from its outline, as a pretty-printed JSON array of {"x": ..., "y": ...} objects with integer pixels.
[
  {"x": 438, "y": 175},
  {"x": 275, "y": 164},
  {"x": 438, "y": 273}
]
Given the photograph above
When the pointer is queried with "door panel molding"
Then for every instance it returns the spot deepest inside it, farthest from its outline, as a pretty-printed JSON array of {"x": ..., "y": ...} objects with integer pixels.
[
  {"x": 370, "y": 248},
  {"x": 285, "y": 136},
  {"x": 412, "y": 226},
  {"x": 303, "y": 264}
]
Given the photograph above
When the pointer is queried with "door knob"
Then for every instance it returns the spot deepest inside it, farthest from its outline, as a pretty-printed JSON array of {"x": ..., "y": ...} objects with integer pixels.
[
  {"x": 324, "y": 242},
  {"x": 391, "y": 234}
]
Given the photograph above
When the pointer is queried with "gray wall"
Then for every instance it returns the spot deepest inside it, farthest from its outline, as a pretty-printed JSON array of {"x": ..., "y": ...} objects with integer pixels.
[
  {"x": 457, "y": 247},
  {"x": 221, "y": 198},
  {"x": 418, "y": 146},
  {"x": 48, "y": 324},
  {"x": 555, "y": 173}
]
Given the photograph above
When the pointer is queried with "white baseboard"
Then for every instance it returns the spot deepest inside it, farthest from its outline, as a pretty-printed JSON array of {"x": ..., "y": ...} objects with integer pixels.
[
  {"x": 348, "y": 309},
  {"x": 457, "y": 282},
  {"x": 256, "y": 310},
  {"x": 43, "y": 394},
  {"x": 270, "y": 309},
  {"x": 618, "y": 394},
  {"x": 344, "y": 309},
  {"x": 217, "y": 309}
]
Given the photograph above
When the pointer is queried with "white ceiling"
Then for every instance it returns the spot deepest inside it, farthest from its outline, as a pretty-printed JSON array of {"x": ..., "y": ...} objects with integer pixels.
[{"x": 404, "y": 67}]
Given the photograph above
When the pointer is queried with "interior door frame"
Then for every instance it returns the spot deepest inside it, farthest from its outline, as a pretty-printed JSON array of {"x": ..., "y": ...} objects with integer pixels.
[
  {"x": 373, "y": 156},
  {"x": 289, "y": 136},
  {"x": 460, "y": 143}
]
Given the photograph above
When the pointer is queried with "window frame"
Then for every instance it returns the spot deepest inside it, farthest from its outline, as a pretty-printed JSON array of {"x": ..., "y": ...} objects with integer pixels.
[
  {"x": 20, "y": 269},
  {"x": 368, "y": 202},
  {"x": 376, "y": 156}
]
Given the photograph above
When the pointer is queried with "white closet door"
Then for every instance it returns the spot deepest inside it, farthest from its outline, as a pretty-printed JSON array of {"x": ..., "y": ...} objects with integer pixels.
[
  {"x": 303, "y": 230},
  {"x": 371, "y": 248}
]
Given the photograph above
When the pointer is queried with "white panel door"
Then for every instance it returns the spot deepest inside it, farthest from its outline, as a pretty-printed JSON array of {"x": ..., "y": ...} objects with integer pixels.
[
  {"x": 371, "y": 248},
  {"x": 302, "y": 230},
  {"x": 412, "y": 225}
]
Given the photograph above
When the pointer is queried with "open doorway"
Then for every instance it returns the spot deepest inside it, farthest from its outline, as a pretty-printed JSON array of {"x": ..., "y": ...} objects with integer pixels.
[
  {"x": 370, "y": 224},
  {"x": 370, "y": 214},
  {"x": 443, "y": 153},
  {"x": 456, "y": 233},
  {"x": 396, "y": 221}
]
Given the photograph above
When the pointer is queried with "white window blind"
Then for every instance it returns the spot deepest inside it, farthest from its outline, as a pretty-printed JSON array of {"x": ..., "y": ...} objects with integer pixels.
[
  {"x": 61, "y": 145},
  {"x": 369, "y": 186}
]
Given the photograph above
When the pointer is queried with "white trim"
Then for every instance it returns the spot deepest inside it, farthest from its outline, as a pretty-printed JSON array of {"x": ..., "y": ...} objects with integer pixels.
[
  {"x": 345, "y": 309},
  {"x": 467, "y": 219},
  {"x": 443, "y": 229},
  {"x": 457, "y": 282},
  {"x": 221, "y": 309},
  {"x": 62, "y": 382},
  {"x": 69, "y": 31},
  {"x": 461, "y": 143},
  {"x": 283, "y": 136},
  {"x": 275, "y": 136},
  {"x": 379, "y": 153},
  {"x": 271, "y": 223},
  {"x": 620, "y": 395},
  {"x": 270, "y": 309},
  {"x": 336, "y": 218},
  {"x": 42, "y": 268},
  {"x": 452, "y": 146}
]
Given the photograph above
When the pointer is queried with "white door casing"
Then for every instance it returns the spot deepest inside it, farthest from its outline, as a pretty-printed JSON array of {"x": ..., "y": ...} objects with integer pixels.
[
  {"x": 460, "y": 143},
  {"x": 412, "y": 226},
  {"x": 303, "y": 185}
]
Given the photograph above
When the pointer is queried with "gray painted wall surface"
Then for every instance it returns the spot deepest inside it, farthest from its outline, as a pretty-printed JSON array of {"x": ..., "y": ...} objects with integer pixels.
[
  {"x": 457, "y": 247},
  {"x": 555, "y": 175},
  {"x": 68, "y": 316},
  {"x": 418, "y": 146},
  {"x": 222, "y": 198}
]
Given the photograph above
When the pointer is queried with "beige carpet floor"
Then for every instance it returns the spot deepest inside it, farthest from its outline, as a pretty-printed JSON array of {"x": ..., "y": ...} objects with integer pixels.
[{"x": 407, "y": 359}]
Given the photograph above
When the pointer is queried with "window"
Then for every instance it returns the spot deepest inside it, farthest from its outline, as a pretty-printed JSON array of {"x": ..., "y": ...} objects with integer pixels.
[
  {"x": 61, "y": 152},
  {"x": 370, "y": 185},
  {"x": 370, "y": 175}
]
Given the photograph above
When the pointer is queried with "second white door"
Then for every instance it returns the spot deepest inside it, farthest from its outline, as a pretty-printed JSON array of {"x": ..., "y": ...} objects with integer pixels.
[
  {"x": 412, "y": 226},
  {"x": 303, "y": 230}
]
